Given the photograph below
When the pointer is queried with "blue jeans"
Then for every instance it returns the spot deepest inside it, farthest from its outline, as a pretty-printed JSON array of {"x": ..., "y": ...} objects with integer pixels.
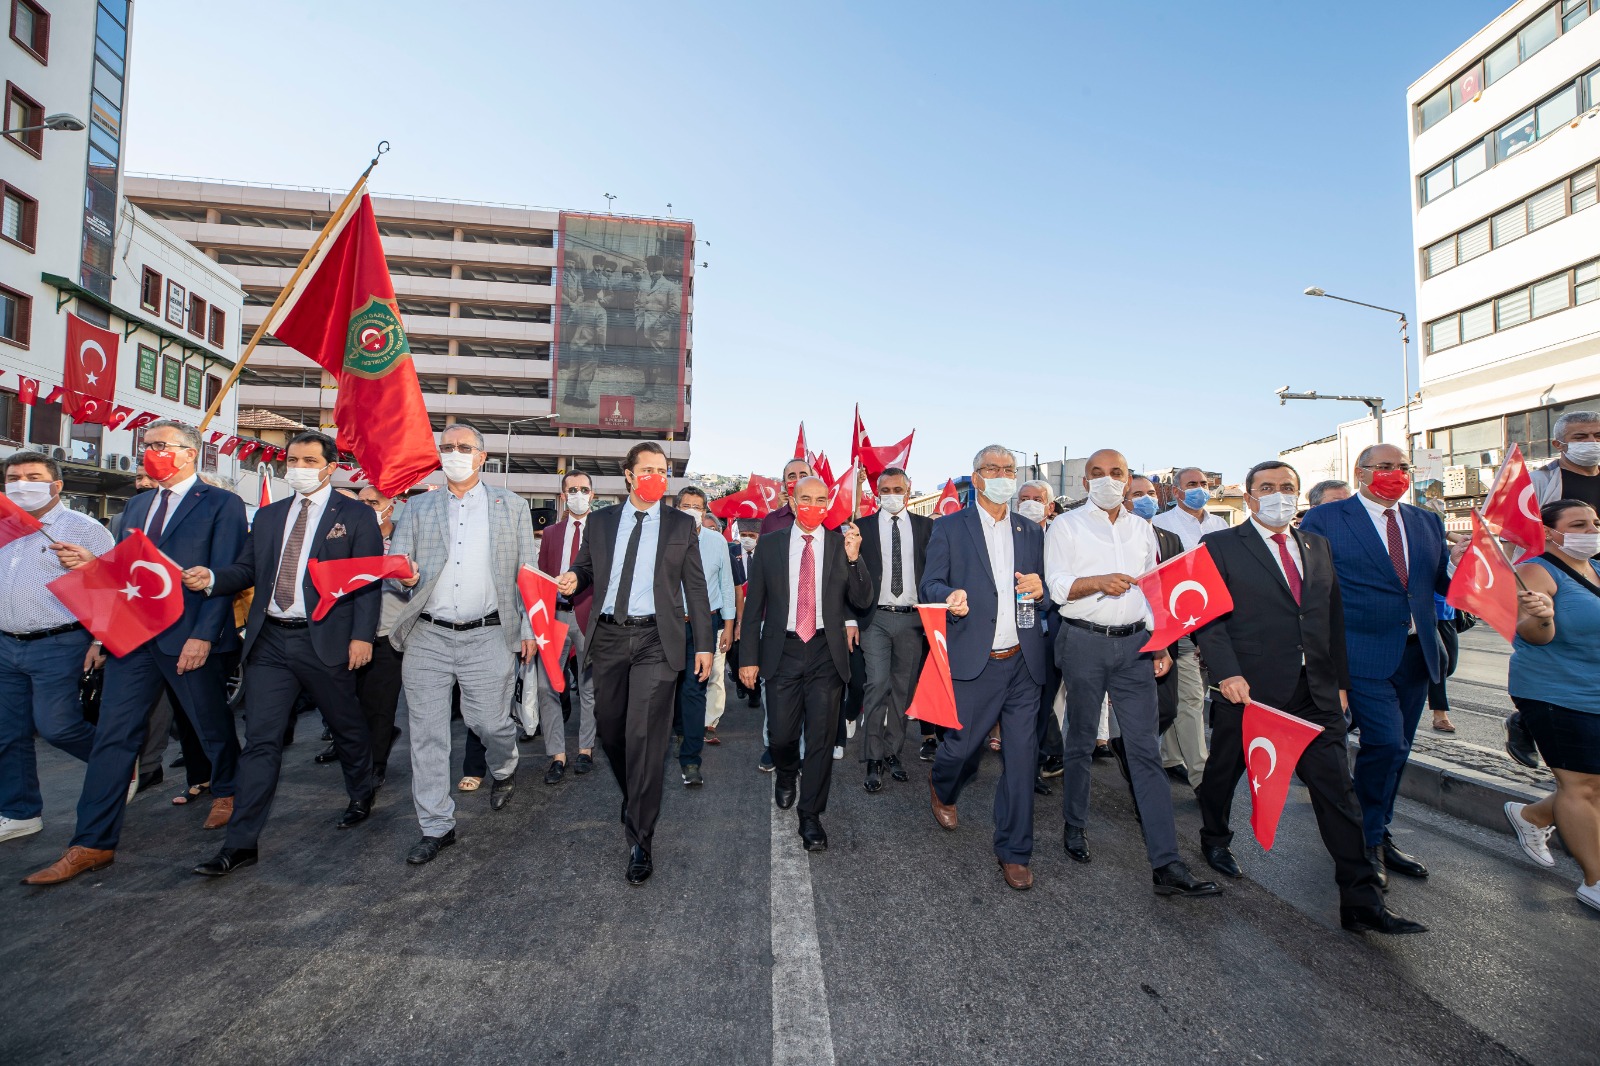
[
  {"x": 690, "y": 719},
  {"x": 1386, "y": 711},
  {"x": 39, "y": 691}
]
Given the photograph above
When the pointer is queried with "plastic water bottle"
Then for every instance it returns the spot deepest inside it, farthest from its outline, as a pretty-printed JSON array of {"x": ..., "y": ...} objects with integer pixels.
[{"x": 1027, "y": 616}]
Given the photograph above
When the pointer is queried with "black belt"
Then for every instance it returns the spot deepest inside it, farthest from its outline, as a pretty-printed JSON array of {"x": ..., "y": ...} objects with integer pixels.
[
  {"x": 563, "y": 604},
  {"x": 40, "y": 634},
  {"x": 490, "y": 619},
  {"x": 1110, "y": 631},
  {"x": 896, "y": 610},
  {"x": 629, "y": 620},
  {"x": 797, "y": 636},
  {"x": 287, "y": 623}
]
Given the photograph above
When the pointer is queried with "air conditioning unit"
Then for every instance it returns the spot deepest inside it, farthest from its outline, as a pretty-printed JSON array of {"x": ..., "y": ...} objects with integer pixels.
[
  {"x": 108, "y": 461},
  {"x": 125, "y": 462},
  {"x": 59, "y": 453},
  {"x": 491, "y": 466}
]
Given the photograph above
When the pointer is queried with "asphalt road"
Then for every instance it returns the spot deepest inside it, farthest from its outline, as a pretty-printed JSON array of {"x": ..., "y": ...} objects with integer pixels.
[{"x": 898, "y": 945}]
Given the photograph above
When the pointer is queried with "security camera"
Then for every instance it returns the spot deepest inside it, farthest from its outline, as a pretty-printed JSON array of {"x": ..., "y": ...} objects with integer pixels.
[{"x": 1280, "y": 391}]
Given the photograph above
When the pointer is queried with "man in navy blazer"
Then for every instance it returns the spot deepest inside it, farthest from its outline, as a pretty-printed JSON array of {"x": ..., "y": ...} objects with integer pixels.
[
  {"x": 194, "y": 524},
  {"x": 1390, "y": 558},
  {"x": 983, "y": 562}
]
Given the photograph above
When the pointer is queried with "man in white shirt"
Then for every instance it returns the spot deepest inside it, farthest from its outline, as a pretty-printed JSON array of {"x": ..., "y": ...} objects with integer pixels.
[{"x": 1094, "y": 556}]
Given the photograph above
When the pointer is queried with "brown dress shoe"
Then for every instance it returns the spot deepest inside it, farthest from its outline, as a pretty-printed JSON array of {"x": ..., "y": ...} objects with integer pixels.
[
  {"x": 1017, "y": 876},
  {"x": 943, "y": 813},
  {"x": 74, "y": 861},
  {"x": 221, "y": 813}
]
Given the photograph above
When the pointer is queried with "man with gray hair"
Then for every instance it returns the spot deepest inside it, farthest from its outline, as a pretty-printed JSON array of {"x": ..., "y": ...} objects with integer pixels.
[
  {"x": 1330, "y": 491},
  {"x": 1575, "y": 472}
]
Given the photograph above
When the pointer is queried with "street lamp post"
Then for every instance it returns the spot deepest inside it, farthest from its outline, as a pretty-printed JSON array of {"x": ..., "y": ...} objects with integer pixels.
[
  {"x": 511, "y": 429},
  {"x": 1405, "y": 356},
  {"x": 1374, "y": 403},
  {"x": 63, "y": 121}
]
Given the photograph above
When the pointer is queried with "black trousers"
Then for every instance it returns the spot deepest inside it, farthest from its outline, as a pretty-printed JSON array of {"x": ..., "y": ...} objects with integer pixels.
[
  {"x": 1323, "y": 768},
  {"x": 803, "y": 698},
  {"x": 1438, "y": 700},
  {"x": 634, "y": 697},
  {"x": 282, "y": 665},
  {"x": 378, "y": 690},
  {"x": 1048, "y": 732}
]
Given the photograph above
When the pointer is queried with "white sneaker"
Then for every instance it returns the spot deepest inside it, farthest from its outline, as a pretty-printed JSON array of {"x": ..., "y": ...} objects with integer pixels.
[
  {"x": 849, "y": 729},
  {"x": 838, "y": 752},
  {"x": 133, "y": 784},
  {"x": 1534, "y": 840},
  {"x": 1590, "y": 894},
  {"x": 19, "y": 827}
]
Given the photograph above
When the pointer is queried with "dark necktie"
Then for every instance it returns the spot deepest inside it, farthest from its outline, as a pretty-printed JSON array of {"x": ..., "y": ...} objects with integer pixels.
[
  {"x": 1397, "y": 548},
  {"x": 159, "y": 519},
  {"x": 289, "y": 565},
  {"x": 577, "y": 541},
  {"x": 897, "y": 584},
  {"x": 805, "y": 611},
  {"x": 1291, "y": 572},
  {"x": 629, "y": 558}
]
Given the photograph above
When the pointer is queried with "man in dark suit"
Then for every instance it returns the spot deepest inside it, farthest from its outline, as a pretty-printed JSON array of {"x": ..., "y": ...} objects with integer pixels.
[
  {"x": 557, "y": 549},
  {"x": 287, "y": 653},
  {"x": 194, "y": 524},
  {"x": 643, "y": 561},
  {"x": 894, "y": 545},
  {"x": 1390, "y": 558},
  {"x": 800, "y": 595},
  {"x": 1282, "y": 646},
  {"x": 1168, "y": 545},
  {"x": 985, "y": 562}
]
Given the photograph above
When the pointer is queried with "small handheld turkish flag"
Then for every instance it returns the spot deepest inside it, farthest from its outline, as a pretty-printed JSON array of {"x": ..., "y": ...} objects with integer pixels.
[
  {"x": 849, "y": 499},
  {"x": 15, "y": 522},
  {"x": 823, "y": 469},
  {"x": 949, "y": 501},
  {"x": 126, "y": 596},
  {"x": 876, "y": 460},
  {"x": 1171, "y": 589},
  {"x": 334, "y": 578},
  {"x": 1485, "y": 584},
  {"x": 800, "y": 450},
  {"x": 1512, "y": 509},
  {"x": 935, "y": 699},
  {"x": 538, "y": 591},
  {"x": 757, "y": 499},
  {"x": 1273, "y": 743}
]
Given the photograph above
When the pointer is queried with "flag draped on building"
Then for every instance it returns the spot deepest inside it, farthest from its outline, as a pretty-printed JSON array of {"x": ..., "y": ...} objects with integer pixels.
[{"x": 90, "y": 370}]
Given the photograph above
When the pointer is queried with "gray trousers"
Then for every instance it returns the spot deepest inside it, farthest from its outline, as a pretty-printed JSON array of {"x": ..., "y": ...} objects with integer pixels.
[
  {"x": 1094, "y": 666},
  {"x": 436, "y": 660},
  {"x": 550, "y": 720},
  {"x": 892, "y": 647},
  {"x": 1185, "y": 743}
]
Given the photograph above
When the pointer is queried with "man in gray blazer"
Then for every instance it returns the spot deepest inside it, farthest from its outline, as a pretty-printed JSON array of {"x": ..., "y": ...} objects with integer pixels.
[{"x": 463, "y": 626}]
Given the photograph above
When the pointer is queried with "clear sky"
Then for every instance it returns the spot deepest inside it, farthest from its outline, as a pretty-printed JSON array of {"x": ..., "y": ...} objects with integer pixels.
[{"x": 1047, "y": 225}]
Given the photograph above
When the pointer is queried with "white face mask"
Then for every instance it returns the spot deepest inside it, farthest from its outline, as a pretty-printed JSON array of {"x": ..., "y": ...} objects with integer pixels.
[
  {"x": 698, "y": 516},
  {"x": 1579, "y": 545},
  {"x": 749, "y": 543},
  {"x": 457, "y": 467},
  {"x": 28, "y": 495},
  {"x": 894, "y": 504},
  {"x": 304, "y": 480},
  {"x": 578, "y": 502},
  {"x": 1106, "y": 492},
  {"x": 1032, "y": 510},
  {"x": 1277, "y": 508},
  {"x": 1584, "y": 453},
  {"x": 999, "y": 489}
]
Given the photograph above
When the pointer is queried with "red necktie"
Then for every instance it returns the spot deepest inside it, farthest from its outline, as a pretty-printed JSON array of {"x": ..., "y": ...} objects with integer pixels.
[
  {"x": 805, "y": 612},
  {"x": 577, "y": 540},
  {"x": 1397, "y": 548},
  {"x": 1291, "y": 572}
]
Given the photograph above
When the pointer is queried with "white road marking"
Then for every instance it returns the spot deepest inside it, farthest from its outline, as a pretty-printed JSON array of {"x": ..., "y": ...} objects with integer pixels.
[{"x": 802, "y": 1034}]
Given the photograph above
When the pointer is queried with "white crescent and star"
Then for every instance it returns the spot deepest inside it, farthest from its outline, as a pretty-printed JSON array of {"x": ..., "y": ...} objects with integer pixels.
[
  {"x": 1483, "y": 561},
  {"x": 132, "y": 590},
  {"x": 1272, "y": 753},
  {"x": 86, "y": 347},
  {"x": 349, "y": 587},
  {"x": 1178, "y": 590},
  {"x": 1528, "y": 504}
]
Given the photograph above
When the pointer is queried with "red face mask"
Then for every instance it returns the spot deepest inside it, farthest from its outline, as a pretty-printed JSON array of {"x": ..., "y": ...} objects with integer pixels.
[
  {"x": 810, "y": 515},
  {"x": 160, "y": 465},
  {"x": 1389, "y": 485},
  {"x": 650, "y": 487}
]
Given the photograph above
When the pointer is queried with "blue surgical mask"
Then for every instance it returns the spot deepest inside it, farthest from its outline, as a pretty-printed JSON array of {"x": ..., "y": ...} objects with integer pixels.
[
  {"x": 1196, "y": 498},
  {"x": 1144, "y": 506}
]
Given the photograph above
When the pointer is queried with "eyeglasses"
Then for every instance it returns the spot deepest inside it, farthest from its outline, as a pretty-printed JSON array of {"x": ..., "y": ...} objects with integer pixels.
[
  {"x": 1404, "y": 468},
  {"x": 578, "y": 491},
  {"x": 450, "y": 449},
  {"x": 998, "y": 471},
  {"x": 376, "y": 505},
  {"x": 163, "y": 446}
]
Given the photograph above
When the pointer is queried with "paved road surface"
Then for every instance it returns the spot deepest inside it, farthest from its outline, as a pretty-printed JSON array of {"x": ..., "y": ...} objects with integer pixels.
[{"x": 899, "y": 945}]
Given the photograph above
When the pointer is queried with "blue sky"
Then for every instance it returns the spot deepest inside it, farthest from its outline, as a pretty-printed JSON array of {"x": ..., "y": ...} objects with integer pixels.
[{"x": 1040, "y": 224}]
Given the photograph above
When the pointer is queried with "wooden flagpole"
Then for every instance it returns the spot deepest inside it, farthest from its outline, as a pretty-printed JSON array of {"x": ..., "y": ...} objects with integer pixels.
[{"x": 316, "y": 246}]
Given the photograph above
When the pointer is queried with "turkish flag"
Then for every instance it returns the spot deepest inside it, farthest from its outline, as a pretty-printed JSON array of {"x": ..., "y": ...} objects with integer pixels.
[
  {"x": 1273, "y": 743},
  {"x": 820, "y": 467},
  {"x": 538, "y": 591},
  {"x": 876, "y": 460},
  {"x": 1512, "y": 510},
  {"x": 934, "y": 701},
  {"x": 27, "y": 390},
  {"x": 55, "y": 395},
  {"x": 759, "y": 498},
  {"x": 265, "y": 486},
  {"x": 248, "y": 448},
  {"x": 1171, "y": 589},
  {"x": 851, "y": 498},
  {"x": 86, "y": 410},
  {"x": 228, "y": 446},
  {"x": 949, "y": 501},
  {"x": 334, "y": 578},
  {"x": 90, "y": 371},
  {"x": 143, "y": 420},
  {"x": 15, "y": 523},
  {"x": 859, "y": 441},
  {"x": 1484, "y": 583},
  {"x": 126, "y": 596},
  {"x": 117, "y": 416},
  {"x": 800, "y": 450}
]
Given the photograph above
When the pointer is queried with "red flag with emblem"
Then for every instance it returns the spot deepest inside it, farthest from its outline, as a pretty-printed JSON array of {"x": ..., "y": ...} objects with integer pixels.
[
  {"x": 144, "y": 419},
  {"x": 126, "y": 596},
  {"x": 228, "y": 446},
  {"x": 949, "y": 499},
  {"x": 934, "y": 701},
  {"x": 1512, "y": 508},
  {"x": 859, "y": 441},
  {"x": 759, "y": 498},
  {"x": 27, "y": 390},
  {"x": 117, "y": 416},
  {"x": 800, "y": 450},
  {"x": 849, "y": 499},
  {"x": 1485, "y": 584},
  {"x": 1171, "y": 590},
  {"x": 821, "y": 468},
  {"x": 15, "y": 522},
  {"x": 266, "y": 488},
  {"x": 876, "y": 460},
  {"x": 1273, "y": 743},
  {"x": 538, "y": 591},
  {"x": 334, "y": 578},
  {"x": 343, "y": 315},
  {"x": 90, "y": 370}
]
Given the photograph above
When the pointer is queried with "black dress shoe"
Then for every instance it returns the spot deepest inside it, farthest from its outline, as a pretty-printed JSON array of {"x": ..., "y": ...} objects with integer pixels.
[
  {"x": 1052, "y": 766},
  {"x": 1375, "y": 857},
  {"x": 582, "y": 763},
  {"x": 176, "y": 763},
  {"x": 558, "y": 770},
  {"x": 1077, "y": 845},
  {"x": 1040, "y": 788},
  {"x": 525, "y": 738},
  {"x": 151, "y": 779},
  {"x": 624, "y": 817},
  {"x": 429, "y": 847},
  {"x": 929, "y": 746},
  {"x": 1377, "y": 920},
  {"x": 227, "y": 861},
  {"x": 1102, "y": 751},
  {"x": 1174, "y": 879},
  {"x": 1178, "y": 773},
  {"x": 811, "y": 833},
  {"x": 896, "y": 771},
  {"x": 358, "y": 811},
  {"x": 874, "y": 776},
  {"x": 1519, "y": 742},
  {"x": 785, "y": 795},
  {"x": 500, "y": 792},
  {"x": 1221, "y": 860},
  {"x": 379, "y": 777},
  {"x": 1400, "y": 862},
  {"x": 327, "y": 755},
  {"x": 639, "y": 866}
]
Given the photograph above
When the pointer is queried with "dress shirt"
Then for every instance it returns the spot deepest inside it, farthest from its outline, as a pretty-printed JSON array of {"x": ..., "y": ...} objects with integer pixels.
[
  {"x": 642, "y": 595},
  {"x": 179, "y": 491},
  {"x": 27, "y": 566},
  {"x": 819, "y": 550},
  {"x": 1084, "y": 542},
  {"x": 1002, "y": 556},
  {"x": 575, "y": 525},
  {"x": 465, "y": 591},
  {"x": 718, "y": 565},
  {"x": 1381, "y": 524},
  {"x": 319, "y": 504},
  {"x": 1188, "y": 528},
  {"x": 1288, "y": 542},
  {"x": 908, "y": 560}
]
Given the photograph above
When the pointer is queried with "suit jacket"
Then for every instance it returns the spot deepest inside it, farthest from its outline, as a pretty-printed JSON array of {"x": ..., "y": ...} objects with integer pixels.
[
  {"x": 872, "y": 553},
  {"x": 736, "y": 563},
  {"x": 846, "y": 590},
  {"x": 353, "y": 617},
  {"x": 422, "y": 532},
  {"x": 958, "y": 558},
  {"x": 782, "y": 518},
  {"x": 678, "y": 572},
  {"x": 550, "y": 545},
  {"x": 207, "y": 529},
  {"x": 1168, "y": 544},
  {"x": 1263, "y": 638},
  {"x": 1377, "y": 607}
]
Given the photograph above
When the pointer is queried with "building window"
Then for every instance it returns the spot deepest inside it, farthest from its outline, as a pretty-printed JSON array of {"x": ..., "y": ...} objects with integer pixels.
[
  {"x": 19, "y": 216},
  {"x": 1514, "y": 136},
  {"x": 171, "y": 378},
  {"x": 16, "y": 316},
  {"x": 30, "y": 27},
  {"x": 1540, "y": 32},
  {"x": 1583, "y": 190},
  {"x": 1549, "y": 296},
  {"x": 1477, "y": 322},
  {"x": 45, "y": 425},
  {"x": 1445, "y": 333},
  {"x": 1569, "y": 288},
  {"x": 1539, "y": 210},
  {"x": 22, "y": 111},
  {"x": 197, "y": 314},
  {"x": 1572, "y": 13},
  {"x": 150, "y": 291},
  {"x": 213, "y": 387},
  {"x": 216, "y": 330},
  {"x": 1547, "y": 207},
  {"x": 175, "y": 303},
  {"x": 13, "y": 418},
  {"x": 145, "y": 380},
  {"x": 1586, "y": 288},
  {"x": 1511, "y": 309}
]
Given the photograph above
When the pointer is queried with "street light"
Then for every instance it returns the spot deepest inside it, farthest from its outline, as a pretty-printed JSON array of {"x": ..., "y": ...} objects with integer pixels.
[
  {"x": 62, "y": 121},
  {"x": 1405, "y": 356},
  {"x": 1374, "y": 403},
  {"x": 510, "y": 432}
]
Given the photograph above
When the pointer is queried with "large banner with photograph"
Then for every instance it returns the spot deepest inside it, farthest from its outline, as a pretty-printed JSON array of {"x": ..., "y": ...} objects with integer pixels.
[{"x": 621, "y": 323}]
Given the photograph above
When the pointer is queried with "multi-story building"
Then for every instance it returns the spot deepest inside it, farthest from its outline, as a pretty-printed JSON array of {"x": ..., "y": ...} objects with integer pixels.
[
  {"x": 69, "y": 245},
  {"x": 477, "y": 289},
  {"x": 1505, "y": 142}
]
